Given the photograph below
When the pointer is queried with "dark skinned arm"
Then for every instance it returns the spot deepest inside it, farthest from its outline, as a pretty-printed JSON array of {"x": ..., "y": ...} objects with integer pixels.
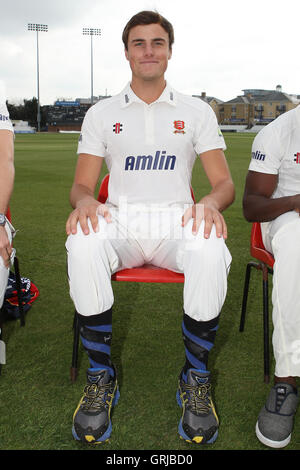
[{"x": 257, "y": 203}]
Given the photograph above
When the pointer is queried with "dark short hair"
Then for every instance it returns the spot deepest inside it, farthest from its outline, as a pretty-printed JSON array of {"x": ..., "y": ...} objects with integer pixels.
[{"x": 148, "y": 17}]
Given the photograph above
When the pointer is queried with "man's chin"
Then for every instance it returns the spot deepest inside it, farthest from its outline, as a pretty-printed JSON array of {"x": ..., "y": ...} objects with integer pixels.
[{"x": 151, "y": 77}]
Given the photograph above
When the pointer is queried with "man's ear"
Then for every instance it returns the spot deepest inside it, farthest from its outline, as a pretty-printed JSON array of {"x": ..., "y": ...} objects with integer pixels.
[
  {"x": 126, "y": 53},
  {"x": 170, "y": 54}
]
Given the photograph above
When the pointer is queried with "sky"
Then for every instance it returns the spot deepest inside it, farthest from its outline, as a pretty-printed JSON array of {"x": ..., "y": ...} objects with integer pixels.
[{"x": 221, "y": 47}]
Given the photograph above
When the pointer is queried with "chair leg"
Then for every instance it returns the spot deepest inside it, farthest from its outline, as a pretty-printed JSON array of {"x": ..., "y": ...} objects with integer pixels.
[
  {"x": 265, "y": 270},
  {"x": 74, "y": 366},
  {"x": 266, "y": 324},
  {"x": 250, "y": 265},
  {"x": 245, "y": 296},
  {"x": 19, "y": 291}
]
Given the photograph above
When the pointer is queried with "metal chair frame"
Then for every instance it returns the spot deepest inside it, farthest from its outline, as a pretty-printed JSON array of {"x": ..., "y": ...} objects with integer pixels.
[{"x": 264, "y": 263}]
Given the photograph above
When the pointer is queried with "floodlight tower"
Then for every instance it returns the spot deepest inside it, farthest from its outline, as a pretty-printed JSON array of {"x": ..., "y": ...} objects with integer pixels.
[
  {"x": 43, "y": 28},
  {"x": 91, "y": 32}
]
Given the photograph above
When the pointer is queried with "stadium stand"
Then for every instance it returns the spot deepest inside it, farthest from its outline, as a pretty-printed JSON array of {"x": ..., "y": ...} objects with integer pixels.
[{"x": 67, "y": 115}]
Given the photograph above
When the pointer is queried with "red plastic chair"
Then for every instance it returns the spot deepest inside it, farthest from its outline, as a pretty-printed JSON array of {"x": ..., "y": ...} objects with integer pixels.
[
  {"x": 145, "y": 273},
  {"x": 265, "y": 262}
]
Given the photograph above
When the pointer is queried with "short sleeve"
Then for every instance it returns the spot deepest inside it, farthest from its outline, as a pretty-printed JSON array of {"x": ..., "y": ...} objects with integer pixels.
[
  {"x": 208, "y": 135},
  {"x": 267, "y": 152},
  {"x": 91, "y": 138},
  {"x": 5, "y": 123}
]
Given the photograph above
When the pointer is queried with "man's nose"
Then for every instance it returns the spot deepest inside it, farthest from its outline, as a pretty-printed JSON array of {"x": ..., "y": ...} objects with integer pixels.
[{"x": 148, "y": 51}]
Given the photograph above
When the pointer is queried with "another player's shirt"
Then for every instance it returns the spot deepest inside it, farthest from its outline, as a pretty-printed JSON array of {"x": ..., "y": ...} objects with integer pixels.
[
  {"x": 150, "y": 149},
  {"x": 276, "y": 150},
  {"x": 5, "y": 122}
]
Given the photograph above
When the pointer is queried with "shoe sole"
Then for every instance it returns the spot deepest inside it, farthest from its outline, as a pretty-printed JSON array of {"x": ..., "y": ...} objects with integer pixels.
[
  {"x": 268, "y": 442},
  {"x": 196, "y": 439},
  {"x": 105, "y": 437}
]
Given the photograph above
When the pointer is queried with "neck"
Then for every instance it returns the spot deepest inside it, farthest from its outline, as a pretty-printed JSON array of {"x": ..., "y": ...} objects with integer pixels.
[{"x": 148, "y": 91}]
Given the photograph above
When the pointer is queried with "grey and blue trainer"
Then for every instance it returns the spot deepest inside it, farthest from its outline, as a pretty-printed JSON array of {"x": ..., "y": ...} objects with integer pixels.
[
  {"x": 92, "y": 417},
  {"x": 199, "y": 422},
  {"x": 275, "y": 420}
]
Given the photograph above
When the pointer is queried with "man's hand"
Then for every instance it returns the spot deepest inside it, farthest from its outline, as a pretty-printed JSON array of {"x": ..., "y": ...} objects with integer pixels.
[
  {"x": 210, "y": 215},
  {"x": 5, "y": 247},
  {"x": 296, "y": 203},
  {"x": 87, "y": 210}
]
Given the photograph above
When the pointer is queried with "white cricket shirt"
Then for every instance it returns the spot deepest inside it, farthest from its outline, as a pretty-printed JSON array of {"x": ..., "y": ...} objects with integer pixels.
[
  {"x": 150, "y": 149},
  {"x": 276, "y": 150},
  {"x": 5, "y": 122}
]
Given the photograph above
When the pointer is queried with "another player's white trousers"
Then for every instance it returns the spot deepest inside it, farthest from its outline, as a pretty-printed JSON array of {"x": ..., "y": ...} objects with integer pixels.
[
  {"x": 282, "y": 238},
  {"x": 4, "y": 272},
  {"x": 132, "y": 239}
]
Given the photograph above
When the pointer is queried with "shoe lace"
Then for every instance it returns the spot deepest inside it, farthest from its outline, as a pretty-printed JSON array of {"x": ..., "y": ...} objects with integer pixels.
[
  {"x": 198, "y": 397},
  {"x": 94, "y": 397},
  {"x": 280, "y": 398}
]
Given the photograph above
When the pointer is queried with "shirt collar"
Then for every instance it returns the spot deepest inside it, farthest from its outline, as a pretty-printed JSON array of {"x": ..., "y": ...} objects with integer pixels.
[{"x": 128, "y": 96}]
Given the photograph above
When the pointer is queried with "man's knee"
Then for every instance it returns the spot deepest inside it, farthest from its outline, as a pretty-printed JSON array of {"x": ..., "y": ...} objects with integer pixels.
[
  {"x": 207, "y": 252},
  {"x": 84, "y": 247},
  {"x": 285, "y": 244}
]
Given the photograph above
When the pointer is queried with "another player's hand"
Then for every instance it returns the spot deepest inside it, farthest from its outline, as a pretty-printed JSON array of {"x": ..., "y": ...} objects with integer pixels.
[
  {"x": 5, "y": 247},
  {"x": 86, "y": 211},
  {"x": 199, "y": 212}
]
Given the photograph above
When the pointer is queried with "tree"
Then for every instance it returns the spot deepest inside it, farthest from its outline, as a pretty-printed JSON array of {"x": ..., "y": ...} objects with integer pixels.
[{"x": 27, "y": 112}]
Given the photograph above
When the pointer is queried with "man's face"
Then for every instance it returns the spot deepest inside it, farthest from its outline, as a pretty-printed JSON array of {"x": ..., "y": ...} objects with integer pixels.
[{"x": 148, "y": 51}]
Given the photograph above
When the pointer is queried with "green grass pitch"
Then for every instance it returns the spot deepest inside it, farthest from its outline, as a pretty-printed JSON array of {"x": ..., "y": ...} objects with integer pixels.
[{"x": 37, "y": 399}]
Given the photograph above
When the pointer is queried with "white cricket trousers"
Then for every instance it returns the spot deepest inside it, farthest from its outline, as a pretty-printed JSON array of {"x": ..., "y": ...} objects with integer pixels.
[
  {"x": 4, "y": 272},
  {"x": 136, "y": 237},
  {"x": 282, "y": 238}
]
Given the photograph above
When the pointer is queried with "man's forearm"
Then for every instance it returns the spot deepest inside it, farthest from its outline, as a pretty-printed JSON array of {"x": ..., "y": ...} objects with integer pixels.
[
  {"x": 79, "y": 193},
  {"x": 7, "y": 173},
  {"x": 221, "y": 196},
  {"x": 7, "y": 169},
  {"x": 258, "y": 208}
]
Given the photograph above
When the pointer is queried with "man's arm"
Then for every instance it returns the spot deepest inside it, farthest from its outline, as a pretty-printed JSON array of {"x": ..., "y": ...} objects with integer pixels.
[
  {"x": 7, "y": 174},
  {"x": 82, "y": 198},
  {"x": 258, "y": 206},
  {"x": 221, "y": 196}
]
